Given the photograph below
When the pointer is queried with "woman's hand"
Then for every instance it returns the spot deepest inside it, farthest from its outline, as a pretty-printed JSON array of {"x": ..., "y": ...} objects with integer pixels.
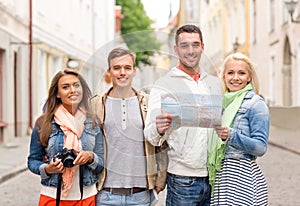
[
  {"x": 55, "y": 167},
  {"x": 83, "y": 157},
  {"x": 222, "y": 132}
]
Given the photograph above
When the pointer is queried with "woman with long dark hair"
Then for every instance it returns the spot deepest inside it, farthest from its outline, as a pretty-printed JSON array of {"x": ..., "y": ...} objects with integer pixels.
[{"x": 66, "y": 147}]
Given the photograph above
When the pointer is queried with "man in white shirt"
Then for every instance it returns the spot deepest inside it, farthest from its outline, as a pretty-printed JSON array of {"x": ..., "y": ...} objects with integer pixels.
[{"x": 187, "y": 179}]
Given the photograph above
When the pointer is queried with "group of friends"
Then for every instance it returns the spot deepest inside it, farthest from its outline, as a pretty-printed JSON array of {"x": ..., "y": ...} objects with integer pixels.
[{"x": 121, "y": 148}]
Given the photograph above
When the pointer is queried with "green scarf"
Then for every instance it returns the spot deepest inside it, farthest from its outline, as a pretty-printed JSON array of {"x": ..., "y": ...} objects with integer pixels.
[{"x": 216, "y": 147}]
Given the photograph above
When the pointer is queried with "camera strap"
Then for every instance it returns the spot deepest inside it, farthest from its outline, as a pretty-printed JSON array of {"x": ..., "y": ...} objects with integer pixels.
[
  {"x": 81, "y": 180},
  {"x": 58, "y": 189}
]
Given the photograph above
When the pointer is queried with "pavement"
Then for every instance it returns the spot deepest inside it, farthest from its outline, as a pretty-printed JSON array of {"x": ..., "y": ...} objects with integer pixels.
[{"x": 13, "y": 158}]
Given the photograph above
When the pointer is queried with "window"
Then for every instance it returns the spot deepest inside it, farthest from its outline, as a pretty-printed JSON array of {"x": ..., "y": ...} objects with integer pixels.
[
  {"x": 242, "y": 19},
  {"x": 298, "y": 76},
  {"x": 235, "y": 25},
  {"x": 272, "y": 15},
  {"x": 254, "y": 21},
  {"x": 285, "y": 13},
  {"x": 40, "y": 7},
  {"x": 1, "y": 99},
  {"x": 272, "y": 86},
  {"x": 229, "y": 34}
]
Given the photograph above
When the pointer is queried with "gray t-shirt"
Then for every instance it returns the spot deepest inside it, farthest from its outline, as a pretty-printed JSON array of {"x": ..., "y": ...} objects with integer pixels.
[{"x": 126, "y": 162}]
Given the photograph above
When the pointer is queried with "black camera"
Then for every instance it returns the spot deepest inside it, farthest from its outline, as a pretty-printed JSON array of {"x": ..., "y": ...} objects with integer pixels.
[{"x": 67, "y": 157}]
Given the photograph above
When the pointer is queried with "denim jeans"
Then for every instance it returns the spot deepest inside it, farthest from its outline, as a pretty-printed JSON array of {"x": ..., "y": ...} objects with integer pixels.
[
  {"x": 191, "y": 191},
  {"x": 105, "y": 198}
]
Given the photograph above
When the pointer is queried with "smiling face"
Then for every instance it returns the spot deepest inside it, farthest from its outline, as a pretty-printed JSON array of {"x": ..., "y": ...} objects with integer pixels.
[
  {"x": 236, "y": 75},
  {"x": 70, "y": 92},
  {"x": 189, "y": 49},
  {"x": 122, "y": 71}
]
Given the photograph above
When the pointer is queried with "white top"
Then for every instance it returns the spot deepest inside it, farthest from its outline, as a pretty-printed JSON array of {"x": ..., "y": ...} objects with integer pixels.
[{"x": 74, "y": 193}]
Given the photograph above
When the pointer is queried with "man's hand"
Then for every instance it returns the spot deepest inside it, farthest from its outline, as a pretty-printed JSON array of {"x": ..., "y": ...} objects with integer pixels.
[
  {"x": 163, "y": 122},
  {"x": 158, "y": 189}
]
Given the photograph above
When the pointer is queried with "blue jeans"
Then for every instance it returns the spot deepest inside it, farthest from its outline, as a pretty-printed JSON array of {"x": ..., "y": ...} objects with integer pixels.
[
  {"x": 105, "y": 198},
  {"x": 191, "y": 191}
]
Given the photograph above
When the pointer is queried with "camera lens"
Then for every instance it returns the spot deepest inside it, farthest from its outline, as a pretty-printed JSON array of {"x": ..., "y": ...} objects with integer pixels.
[
  {"x": 68, "y": 161},
  {"x": 68, "y": 157}
]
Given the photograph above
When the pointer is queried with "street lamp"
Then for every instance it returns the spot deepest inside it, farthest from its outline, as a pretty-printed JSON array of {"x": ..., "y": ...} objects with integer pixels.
[
  {"x": 236, "y": 44},
  {"x": 72, "y": 63},
  {"x": 291, "y": 6}
]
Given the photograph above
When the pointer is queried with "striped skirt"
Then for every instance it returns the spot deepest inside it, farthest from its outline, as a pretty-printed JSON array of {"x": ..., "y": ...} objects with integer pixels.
[{"x": 240, "y": 182}]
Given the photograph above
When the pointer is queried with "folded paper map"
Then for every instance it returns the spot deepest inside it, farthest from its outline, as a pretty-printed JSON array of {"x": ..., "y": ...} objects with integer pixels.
[{"x": 193, "y": 110}]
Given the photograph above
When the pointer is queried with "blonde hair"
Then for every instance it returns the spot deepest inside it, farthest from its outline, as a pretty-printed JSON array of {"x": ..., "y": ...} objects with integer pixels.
[{"x": 251, "y": 69}]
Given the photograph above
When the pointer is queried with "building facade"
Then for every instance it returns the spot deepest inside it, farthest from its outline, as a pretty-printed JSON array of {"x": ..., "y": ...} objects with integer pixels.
[
  {"x": 14, "y": 87},
  {"x": 263, "y": 31},
  {"x": 39, "y": 38},
  {"x": 65, "y": 32}
]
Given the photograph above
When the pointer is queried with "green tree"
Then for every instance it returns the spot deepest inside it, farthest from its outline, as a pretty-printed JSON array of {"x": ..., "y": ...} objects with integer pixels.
[{"x": 137, "y": 32}]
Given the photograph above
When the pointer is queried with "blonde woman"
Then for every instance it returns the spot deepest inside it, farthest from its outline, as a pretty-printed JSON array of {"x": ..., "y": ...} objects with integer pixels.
[{"x": 245, "y": 131}]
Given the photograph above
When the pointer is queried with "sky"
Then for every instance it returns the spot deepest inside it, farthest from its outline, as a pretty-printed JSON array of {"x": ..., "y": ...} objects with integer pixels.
[{"x": 159, "y": 10}]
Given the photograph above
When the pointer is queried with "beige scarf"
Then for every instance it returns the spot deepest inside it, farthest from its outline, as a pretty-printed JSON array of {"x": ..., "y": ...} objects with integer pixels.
[{"x": 72, "y": 127}]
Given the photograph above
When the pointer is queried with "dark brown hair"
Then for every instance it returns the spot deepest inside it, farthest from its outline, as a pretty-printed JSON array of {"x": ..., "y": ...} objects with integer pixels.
[{"x": 189, "y": 28}]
